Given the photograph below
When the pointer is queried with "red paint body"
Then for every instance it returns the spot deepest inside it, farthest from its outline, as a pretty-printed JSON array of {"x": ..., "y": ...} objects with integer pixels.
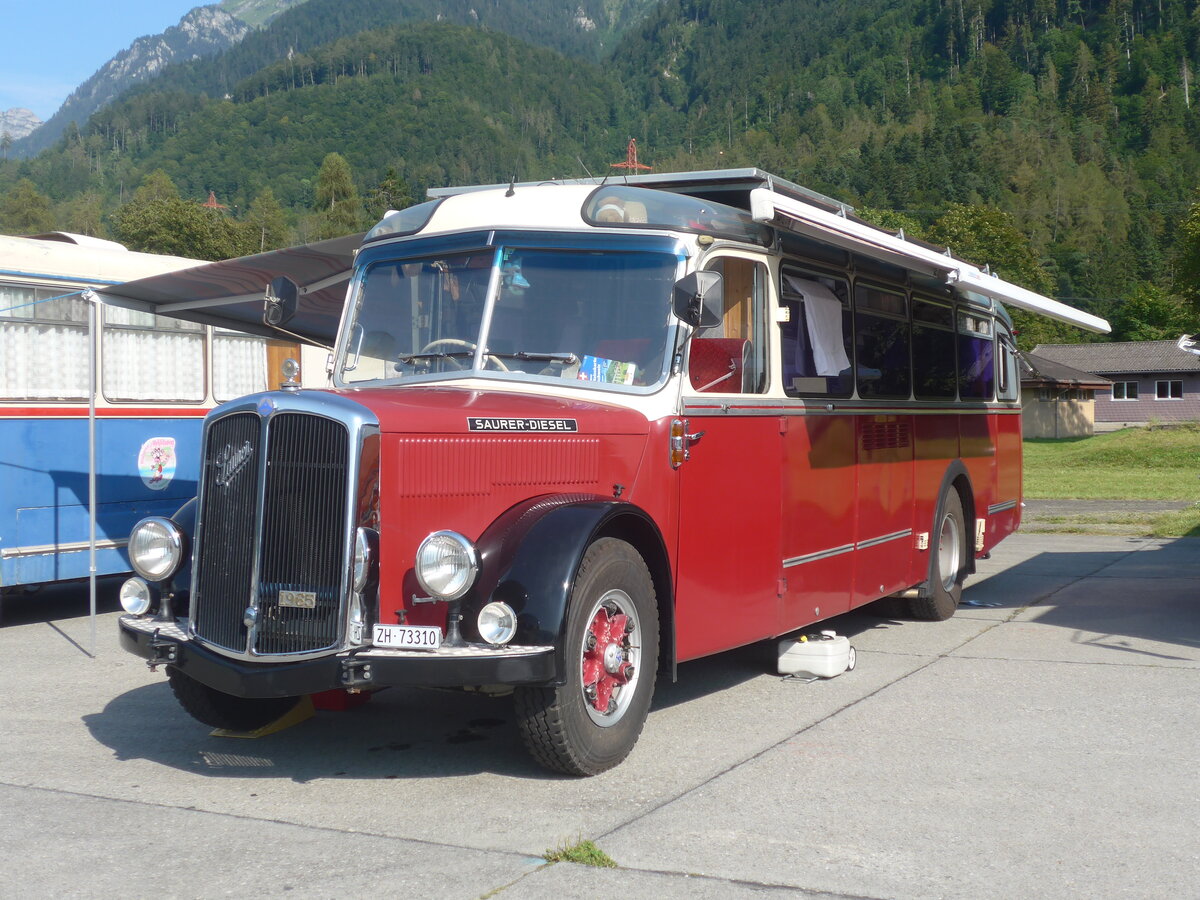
[{"x": 770, "y": 484}]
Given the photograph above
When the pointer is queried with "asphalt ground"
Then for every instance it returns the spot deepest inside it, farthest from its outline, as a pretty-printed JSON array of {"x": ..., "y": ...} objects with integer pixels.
[{"x": 1043, "y": 742}]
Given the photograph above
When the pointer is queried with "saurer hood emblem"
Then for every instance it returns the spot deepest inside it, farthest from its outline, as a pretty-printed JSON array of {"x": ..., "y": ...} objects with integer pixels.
[{"x": 230, "y": 460}]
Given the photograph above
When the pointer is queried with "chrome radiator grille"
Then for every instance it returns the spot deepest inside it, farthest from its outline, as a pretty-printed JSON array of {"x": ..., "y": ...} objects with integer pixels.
[{"x": 287, "y": 558}]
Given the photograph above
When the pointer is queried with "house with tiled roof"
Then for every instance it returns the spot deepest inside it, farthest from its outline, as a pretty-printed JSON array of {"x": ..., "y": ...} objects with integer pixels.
[
  {"x": 1057, "y": 401},
  {"x": 1152, "y": 381}
]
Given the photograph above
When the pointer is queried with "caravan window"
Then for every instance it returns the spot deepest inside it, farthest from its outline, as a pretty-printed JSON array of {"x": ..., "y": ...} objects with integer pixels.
[{"x": 816, "y": 333}]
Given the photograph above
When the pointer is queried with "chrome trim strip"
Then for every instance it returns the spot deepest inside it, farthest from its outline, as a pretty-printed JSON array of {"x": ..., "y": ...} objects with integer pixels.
[
  {"x": 696, "y": 406},
  {"x": 876, "y": 541},
  {"x": 846, "y": 548},
  {"x": 820, "y": 554},
  {"x": 73, "y": 547},
  {"x": 1001, "y": 507}
]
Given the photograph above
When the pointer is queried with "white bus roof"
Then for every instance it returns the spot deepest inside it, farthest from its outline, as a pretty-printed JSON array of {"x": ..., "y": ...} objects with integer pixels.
[
  {"x": 230, "y": 293},
  {"x": 52, "y": 261}
]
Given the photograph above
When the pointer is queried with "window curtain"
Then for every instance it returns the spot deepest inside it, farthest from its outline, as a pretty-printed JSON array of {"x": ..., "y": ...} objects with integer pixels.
[{"x": 239, "y": 365}]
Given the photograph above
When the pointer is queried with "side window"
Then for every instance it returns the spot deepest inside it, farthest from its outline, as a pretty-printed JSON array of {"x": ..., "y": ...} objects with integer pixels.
[
  {"x": 44, "y": 336},
  {"x": 240, "y": 365},
  {"x": 881, "y": 342},
  {"x": 732, "y": 357},
  {"x": 152, "y": 357},
  {"x": 1008, "y": 380},
  {"x": 934, "y": 368},
  {"x": 816, "y": 334},
  {"x": 976, "y": 369}
]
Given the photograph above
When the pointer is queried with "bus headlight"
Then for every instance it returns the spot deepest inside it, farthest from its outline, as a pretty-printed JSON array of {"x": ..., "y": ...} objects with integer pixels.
[
  {"x": 497, "y": 623},
  {"x": 446, "y": 565},
  {"x": 156, "y": 548},
  {"x": 135, "y": 596}
]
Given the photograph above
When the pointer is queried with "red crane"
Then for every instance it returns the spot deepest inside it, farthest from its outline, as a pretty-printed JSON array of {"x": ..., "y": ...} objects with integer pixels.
[{"x": 631, "y": 163}]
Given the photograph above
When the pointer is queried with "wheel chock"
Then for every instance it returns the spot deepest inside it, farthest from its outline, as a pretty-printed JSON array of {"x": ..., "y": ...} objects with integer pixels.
[{"x": 297, "y": 714}]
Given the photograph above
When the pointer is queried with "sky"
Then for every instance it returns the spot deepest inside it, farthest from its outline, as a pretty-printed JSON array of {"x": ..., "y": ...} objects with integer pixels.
[{"x": 51, "y": 46}]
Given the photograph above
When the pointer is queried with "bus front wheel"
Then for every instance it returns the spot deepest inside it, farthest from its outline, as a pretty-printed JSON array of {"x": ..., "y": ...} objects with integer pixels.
[
  {"x": 949, "y": 568},
  {"x": 590, "y": 723},
  {"x": 221, "y": 710}
]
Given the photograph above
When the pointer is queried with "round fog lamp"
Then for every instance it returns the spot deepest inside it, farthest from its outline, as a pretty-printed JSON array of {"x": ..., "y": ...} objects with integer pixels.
[
  {"x": 135, "y": 596},
  {"x": 446, "y": 565},
  {"x": 497, "y": 623},
  {"x": 156, "y": 548}
]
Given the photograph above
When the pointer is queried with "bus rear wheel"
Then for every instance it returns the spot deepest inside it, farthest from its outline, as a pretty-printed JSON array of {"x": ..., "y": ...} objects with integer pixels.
[
  {"x": 949, "y": 564},
  {"x": 221, "y": 710},
  {"x": 590, "y": 723}
]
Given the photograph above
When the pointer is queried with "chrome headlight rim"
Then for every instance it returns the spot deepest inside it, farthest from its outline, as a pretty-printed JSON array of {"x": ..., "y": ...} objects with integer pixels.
[
  {"x": 169, "y": 536},
  {"x": 466, "y": 559}
]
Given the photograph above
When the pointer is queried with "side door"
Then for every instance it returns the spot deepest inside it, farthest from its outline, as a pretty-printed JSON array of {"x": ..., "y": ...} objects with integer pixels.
[{"x": 728, "y": 563}]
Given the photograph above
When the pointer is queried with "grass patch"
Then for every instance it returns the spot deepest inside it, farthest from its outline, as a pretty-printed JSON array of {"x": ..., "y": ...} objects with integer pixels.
[
  {"x": 1182, "y": 523},
  {"x": 583, "y": 852},
  {"x": 1155, "y": 463}
]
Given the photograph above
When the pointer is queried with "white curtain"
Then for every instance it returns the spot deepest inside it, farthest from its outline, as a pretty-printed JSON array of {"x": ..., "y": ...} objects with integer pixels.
[
  {"x": 43, "y": 362},
  {"x": 43, "y": 344},
  {"x": 153, "y": 365},
  {"x": 239, "y": 365}
]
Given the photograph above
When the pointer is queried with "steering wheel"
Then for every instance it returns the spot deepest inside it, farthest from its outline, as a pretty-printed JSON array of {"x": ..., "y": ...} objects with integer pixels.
[{"x": 458, "y": 342}]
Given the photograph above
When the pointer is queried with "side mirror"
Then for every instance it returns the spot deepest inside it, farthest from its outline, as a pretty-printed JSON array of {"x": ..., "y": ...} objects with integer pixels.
[
  {"x": 699, "y": 299},
  {"x": 280, "y": 302}
]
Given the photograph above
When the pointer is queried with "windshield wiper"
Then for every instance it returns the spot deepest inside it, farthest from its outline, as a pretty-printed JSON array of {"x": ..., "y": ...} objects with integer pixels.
[
  {"x": 567, "y": 358},
  {"x": 441, "y": 354}
]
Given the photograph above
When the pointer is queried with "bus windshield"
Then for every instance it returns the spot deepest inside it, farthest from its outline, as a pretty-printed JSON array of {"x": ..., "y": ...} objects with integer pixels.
[{"x": 597, "y": 318}]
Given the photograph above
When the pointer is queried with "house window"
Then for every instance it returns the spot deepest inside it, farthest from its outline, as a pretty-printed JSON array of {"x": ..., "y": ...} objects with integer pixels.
[
  {"x": 1168, "y": 390},
  {"x": 1045, "y": 394},
  {"x": 1125, "y": 390}
]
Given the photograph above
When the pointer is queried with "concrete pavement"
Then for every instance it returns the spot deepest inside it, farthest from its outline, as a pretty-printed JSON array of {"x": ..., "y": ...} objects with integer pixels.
[{"x": 1040, "y": 742}]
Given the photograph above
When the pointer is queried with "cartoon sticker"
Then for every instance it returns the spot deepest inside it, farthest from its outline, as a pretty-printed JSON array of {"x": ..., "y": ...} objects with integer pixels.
[{"x": 156, "y": 462}]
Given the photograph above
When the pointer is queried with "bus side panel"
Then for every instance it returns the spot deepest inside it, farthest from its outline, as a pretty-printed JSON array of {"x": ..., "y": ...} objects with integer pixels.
[
  {"x": 977, "y": 448},
  {"x": 1003, "y": 522},
  {"x": 818, "y": 517},
  {"x": 883, "y": 562},
  {"x": 936, "y": 446},
  {"x": 728, "y": 564},
  {"x": 145, "y": 466}
]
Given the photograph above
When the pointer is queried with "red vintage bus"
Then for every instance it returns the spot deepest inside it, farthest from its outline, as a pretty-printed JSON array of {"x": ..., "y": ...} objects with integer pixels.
[{"x": 576, "y": 434}]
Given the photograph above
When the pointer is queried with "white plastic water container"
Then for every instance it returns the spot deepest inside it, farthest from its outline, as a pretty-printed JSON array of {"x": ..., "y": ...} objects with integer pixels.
[{"x": 822, "y": 655}]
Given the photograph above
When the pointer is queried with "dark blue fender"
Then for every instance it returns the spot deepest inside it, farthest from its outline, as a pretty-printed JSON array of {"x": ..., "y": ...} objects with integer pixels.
[
  {"x": 180, "y": 585},
  {"x": 530, "y": 555}
]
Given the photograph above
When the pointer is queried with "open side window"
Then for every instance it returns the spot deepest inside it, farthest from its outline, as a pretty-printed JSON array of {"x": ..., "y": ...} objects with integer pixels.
[
  {"x": 731, "y": 357},
  {"x": 816, "y": 334}
]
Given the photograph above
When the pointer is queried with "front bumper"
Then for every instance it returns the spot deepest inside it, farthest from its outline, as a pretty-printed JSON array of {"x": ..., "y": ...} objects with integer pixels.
[{"x": 162, "y": 642}]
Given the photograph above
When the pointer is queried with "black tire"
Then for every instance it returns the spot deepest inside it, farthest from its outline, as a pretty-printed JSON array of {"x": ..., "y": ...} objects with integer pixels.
[
  {"x": 221, "y": 710},
  {"x": 949, "y": 565},
  {"x": 564, "y": 727}
]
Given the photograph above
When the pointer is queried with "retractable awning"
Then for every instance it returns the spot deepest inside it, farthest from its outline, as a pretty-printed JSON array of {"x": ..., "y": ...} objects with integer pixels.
[
  {"x": 230, "y": 293},
  {"x": 773, "y": 208}
]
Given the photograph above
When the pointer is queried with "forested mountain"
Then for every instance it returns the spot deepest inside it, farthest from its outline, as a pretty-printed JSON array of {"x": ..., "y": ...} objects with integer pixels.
[
  {"x": 438, "y": 103},
  {"x": 202, "y": 32},
  {"x": 1057, "y": 140}
]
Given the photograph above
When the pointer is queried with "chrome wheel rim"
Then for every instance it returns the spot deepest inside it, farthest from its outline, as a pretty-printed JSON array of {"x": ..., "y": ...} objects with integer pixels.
[
  {"x": 610, "y": 658},
  {"x": 949, "y": 550}
]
